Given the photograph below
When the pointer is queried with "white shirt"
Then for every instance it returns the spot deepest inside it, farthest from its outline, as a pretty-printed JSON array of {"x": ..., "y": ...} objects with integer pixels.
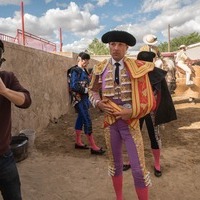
[
  {"x": 181, "y": 56},
  {"x": 120, "y": 62}
]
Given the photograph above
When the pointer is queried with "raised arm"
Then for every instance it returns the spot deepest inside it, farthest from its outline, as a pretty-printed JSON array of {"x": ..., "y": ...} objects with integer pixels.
[{"x": 12, "y": 90}]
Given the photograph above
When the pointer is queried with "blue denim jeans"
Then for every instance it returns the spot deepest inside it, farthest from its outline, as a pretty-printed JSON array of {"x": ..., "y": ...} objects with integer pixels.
[{"x": 9, "y": 178}]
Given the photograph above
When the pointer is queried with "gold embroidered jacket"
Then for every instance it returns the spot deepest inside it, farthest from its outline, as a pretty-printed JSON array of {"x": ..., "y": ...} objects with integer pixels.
[{"x": 134, "y": 87}]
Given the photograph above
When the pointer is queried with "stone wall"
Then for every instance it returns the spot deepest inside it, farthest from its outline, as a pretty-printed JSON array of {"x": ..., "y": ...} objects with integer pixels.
[{"x": 44, "y": 75}]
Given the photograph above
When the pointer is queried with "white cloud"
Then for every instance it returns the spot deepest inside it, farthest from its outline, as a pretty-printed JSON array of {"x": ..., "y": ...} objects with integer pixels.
[
  {"x": 182, "y": 18},
  {"x": 72, "y": 19},
  {"x": 88, "y": 7},
  {"x": 154, "y": 5},
  {"x": 179, "y": 19},
  {"x": 117, "y": 3},
  {"x": 12, "y": 2},
  {"x": 121, "y": 18},
  {"x": 48, "y": 1},
  {"x": 10, "y": 25},
  {"x": 77, "y": 46},
  {"x": 102, "y": 2}
]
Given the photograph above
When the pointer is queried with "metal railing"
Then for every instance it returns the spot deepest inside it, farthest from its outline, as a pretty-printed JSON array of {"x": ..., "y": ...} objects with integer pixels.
[{"x": 30, "y": 41}]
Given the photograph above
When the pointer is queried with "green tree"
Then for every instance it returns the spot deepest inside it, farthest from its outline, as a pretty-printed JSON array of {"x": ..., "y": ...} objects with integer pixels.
[
  {"x": 176, "y": 42},
  {"x": 97, "y": 48}
]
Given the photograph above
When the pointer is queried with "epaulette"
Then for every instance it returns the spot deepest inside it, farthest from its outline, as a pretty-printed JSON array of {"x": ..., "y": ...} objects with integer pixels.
[
  {"x": 138, "y": 69},
  {"x": 99, "y": 68}
]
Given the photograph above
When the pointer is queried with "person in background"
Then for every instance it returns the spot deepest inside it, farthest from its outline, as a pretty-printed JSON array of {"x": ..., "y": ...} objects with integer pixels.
[
  {"x": 150, "y": 41},
  {"x": 126, "y": 96},
  {"x": 161, "y": 62},
  {"x": 164, "y": 112},
  {"x": 79, "y": 82},
  {"x": 181, "y": 60},
  {"x": 11, "y": 92},
  {"x": 170, "y": 67}
]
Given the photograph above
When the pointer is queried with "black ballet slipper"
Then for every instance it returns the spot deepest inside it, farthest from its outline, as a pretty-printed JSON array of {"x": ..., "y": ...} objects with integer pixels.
[
  {"x": 98, "y": 152},
  {"x": 157, "y": 173},
  {"x": 77, "y": 146},
  {"x": 126, "y": 167}
]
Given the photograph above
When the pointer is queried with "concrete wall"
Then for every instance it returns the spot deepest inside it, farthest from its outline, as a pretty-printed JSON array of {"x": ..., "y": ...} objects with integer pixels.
[{"x": 44, "y": 75}]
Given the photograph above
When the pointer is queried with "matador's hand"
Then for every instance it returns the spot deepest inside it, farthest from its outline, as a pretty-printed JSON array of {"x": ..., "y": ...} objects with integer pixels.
[
  {"x": 124, "y": 114},
  {"x": 102, "y": 105}
]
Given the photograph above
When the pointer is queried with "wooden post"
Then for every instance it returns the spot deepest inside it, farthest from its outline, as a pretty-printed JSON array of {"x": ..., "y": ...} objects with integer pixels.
[
  {"x": 61, "y": 40},
  {"x": 168, "y": 38}
]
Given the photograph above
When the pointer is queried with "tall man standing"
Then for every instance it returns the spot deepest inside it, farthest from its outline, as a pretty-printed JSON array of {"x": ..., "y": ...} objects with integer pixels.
[
  {"x": 126, "y": 96},
  {"x": 11, "y": 91}
]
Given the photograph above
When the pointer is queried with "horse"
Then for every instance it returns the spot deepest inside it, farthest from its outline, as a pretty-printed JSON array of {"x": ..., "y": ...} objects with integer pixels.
[{"x": 168, "y": 65}]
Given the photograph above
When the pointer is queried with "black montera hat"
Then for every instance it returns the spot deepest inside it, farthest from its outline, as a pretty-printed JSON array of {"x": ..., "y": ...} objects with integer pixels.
[
  {"x": 84, "y": 56},
  {"x": 146, "y": 56},
  {"x": 119, "y": 36},
  {"x": 1, "y": 45}
]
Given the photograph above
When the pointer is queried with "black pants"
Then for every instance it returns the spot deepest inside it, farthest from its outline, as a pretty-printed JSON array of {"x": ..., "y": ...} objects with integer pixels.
[
  {"x": 9, "y": 178},
  {"x": 152, "y": 130}
]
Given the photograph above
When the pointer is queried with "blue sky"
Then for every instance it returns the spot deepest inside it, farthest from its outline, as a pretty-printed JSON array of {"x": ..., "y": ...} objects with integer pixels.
[{"x": 83, "y": 20}]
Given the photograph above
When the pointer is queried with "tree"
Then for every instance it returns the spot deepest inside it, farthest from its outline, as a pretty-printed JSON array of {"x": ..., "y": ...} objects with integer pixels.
[
  {"x": 97, "y": 48},
  {"x": 176, "y": 42}
]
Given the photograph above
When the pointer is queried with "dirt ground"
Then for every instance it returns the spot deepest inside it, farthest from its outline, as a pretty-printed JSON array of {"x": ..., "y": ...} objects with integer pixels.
[{"x": 54, "y": 170}]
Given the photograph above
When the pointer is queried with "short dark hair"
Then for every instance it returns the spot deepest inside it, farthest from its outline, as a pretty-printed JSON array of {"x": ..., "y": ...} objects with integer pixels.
[
  {"x": 84, "y": 56},
  {"x": 1, "y": 45}
]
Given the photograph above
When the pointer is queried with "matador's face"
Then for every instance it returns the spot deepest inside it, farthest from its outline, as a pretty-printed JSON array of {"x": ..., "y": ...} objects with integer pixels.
[{"x": 118, "y": 50}]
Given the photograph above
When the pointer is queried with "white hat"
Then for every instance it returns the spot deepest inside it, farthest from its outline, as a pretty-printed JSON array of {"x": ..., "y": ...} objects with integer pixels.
[
  {"x": 150, "y": 39},
  {"x": 182, "y": 46}
]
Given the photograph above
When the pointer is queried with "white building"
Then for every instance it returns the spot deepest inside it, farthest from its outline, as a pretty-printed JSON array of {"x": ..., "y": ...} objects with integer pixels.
[{"x": 193, "y": 51}]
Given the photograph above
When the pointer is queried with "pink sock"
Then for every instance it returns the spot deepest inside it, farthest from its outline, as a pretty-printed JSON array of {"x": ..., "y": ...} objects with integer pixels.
[
  {"x": 142, "y": 193},
  {"x": 92, "y": 142},
  {"x": 156, "y": 154},
  {"x": 78, "y": 137},
  {"x": 117, "y": 184}
]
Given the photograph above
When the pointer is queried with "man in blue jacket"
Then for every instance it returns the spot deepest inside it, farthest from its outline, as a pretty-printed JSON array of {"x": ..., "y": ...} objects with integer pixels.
[{"x": 79, "y": 82}]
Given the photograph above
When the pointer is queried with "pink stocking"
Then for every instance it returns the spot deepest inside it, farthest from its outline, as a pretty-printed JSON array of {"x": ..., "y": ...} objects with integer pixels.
[
  {"x": 142, "y": 193},
  {"x": 92, "y": 142},
  {"x": 117, "y": 184},
  {"x": 78, "y": 137},
  {"x": 156, "y": 154}
]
